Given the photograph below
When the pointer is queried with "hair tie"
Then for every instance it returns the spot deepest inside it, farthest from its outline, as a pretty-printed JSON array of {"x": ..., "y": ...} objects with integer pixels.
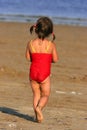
[
  {"x": 53, "y": 33},
  {"x": 34, "y": 25}
]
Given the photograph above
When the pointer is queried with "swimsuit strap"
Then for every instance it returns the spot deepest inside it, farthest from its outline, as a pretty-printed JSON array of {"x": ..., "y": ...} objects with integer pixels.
[
  {"x": 47, "y": 48},
  {"x": 32, "y": 46}
]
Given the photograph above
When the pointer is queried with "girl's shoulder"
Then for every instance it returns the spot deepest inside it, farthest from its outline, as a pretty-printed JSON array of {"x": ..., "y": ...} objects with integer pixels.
[
  {"x": 30, "y": 43},
  {"x": 52, "y": 44},
  {"x": 33, "y": 41}
]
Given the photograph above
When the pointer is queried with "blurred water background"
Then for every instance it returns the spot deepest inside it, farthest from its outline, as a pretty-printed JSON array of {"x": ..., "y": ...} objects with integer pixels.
[{"x": 71, "y": 12}]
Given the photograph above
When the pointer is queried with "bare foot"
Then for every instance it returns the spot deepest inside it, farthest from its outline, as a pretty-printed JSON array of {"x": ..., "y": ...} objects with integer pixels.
[{"x": 39, "y": 114}]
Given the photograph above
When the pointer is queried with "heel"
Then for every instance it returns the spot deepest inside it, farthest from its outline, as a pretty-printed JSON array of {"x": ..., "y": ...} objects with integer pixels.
[{"x": 39, "y": 114}]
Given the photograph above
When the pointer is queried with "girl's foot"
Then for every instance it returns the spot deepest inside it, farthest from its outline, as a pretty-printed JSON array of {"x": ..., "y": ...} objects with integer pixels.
[{"x": 39, "y": 114}]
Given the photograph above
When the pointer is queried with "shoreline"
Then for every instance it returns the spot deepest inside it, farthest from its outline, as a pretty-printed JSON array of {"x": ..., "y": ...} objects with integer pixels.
[{"x": 32, "y": 19}]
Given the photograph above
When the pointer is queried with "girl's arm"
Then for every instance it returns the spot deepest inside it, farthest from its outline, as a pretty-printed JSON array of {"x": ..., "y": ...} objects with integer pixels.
[
  {"x": 27, "y": 53},
  {"x": 54, "y": 53}
]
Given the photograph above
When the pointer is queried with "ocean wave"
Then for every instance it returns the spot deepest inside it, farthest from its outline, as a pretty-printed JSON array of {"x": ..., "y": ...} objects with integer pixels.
[{"x": 33, "y": 19}]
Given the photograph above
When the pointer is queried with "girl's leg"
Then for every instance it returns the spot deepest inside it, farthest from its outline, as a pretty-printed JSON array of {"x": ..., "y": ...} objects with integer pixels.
[
  {"x": 36, "y": 93},
  {"x": 45, "y": 92}
]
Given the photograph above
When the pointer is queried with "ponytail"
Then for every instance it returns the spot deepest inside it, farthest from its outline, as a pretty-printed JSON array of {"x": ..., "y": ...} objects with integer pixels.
[
  {"x": 32, "y": 28},
  {"x": 53, "y": 36}
]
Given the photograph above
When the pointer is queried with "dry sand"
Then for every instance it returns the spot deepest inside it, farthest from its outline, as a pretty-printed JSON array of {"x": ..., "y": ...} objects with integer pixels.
[{"x": 67, "y": 106}]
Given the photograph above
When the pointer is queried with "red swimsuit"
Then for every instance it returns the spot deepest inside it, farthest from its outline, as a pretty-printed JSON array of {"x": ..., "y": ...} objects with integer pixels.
[{"x": 40, "y": 66}]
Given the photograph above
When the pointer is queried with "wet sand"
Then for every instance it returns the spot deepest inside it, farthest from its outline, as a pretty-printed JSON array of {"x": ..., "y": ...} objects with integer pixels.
[{"x": 67, "y": 106}]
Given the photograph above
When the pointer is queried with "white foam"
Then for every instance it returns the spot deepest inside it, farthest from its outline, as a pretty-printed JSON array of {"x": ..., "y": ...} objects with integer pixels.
[
  {"x": 72, "y": 92},
  {"x": 61, "y": 92}
]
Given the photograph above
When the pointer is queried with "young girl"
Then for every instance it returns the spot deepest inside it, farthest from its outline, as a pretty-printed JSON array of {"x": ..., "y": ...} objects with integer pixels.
[{"x": 41, "y": 52}]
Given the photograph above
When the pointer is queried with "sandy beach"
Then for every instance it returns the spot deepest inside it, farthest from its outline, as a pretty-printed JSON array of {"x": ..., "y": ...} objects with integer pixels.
[{"x": 67, "y": 106}]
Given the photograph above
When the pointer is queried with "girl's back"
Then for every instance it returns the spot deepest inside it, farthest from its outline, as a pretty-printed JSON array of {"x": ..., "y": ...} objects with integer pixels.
[{"x": 41, "y": 46}]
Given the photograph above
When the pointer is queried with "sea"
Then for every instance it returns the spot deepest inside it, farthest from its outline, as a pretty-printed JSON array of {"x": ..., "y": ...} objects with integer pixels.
[{"x": 64, "y": 12}]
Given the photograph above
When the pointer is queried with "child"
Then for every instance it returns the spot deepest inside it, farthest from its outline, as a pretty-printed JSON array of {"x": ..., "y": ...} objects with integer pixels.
[{"x": 41, "y": 52}]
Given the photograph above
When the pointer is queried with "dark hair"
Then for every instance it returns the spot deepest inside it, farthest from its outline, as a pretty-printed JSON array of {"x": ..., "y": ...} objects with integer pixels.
[{"x": 43, "y": 28}]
